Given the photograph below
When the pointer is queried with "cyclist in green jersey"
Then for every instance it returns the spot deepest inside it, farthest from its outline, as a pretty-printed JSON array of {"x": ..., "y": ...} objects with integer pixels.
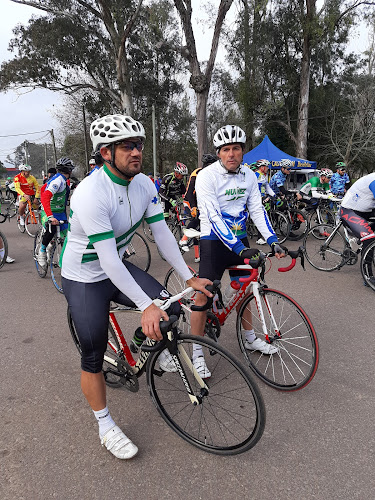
[{"x": 316, "y": 187}]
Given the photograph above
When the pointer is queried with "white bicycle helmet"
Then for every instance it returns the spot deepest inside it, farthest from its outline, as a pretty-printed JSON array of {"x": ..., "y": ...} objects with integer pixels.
[
  {"x": 262, "y": 163},
  {"x": 230, "y": 134},
  {"x": 92, "y": 161},
  {"x": 180, "y": 168},
  {"x": 24, "y": 167},
  {"x": 285, "y": 163},
  {"x": 114, "y": 128},
  {"x": 326, "y": 172}
]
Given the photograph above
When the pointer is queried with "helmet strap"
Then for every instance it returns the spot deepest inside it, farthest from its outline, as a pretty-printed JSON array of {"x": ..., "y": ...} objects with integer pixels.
[{"x": 113, "y": 164}]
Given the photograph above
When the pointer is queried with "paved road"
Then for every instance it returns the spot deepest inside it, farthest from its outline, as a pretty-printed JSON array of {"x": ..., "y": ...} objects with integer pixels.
[{"x": 318, "y": 442}]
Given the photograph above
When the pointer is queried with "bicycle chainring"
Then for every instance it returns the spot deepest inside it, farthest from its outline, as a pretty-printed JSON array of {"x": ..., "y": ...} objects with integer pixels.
[
  {"x": 125, "y": 377},
  {"x": 212, "y": 327},
  {"x": 351, "y": 258}
]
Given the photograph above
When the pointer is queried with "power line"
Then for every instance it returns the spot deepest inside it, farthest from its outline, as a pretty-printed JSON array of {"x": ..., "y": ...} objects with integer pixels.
[{"x": 26, "y": 133}]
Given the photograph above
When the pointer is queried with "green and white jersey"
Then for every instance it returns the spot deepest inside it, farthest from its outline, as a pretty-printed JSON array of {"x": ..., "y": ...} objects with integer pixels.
[
  {"x": 104, "y": 207},
  {"x": 314, "y": 188}
]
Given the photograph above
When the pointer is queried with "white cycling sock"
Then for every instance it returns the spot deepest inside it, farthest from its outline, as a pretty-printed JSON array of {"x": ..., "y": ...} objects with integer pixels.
[
  {"x": 197, "y": 351},
  {"x": 250, "y": 335},
  {"x": 105, "y": 420}
]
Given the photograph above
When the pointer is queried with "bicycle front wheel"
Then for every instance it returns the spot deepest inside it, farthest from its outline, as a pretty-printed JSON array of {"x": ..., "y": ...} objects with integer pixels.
[
  {"x": 55, "y": 265},
  {"x": 288, "y": 329},
  {"x": 299, "y": 225},
  {"x": 322, "y": 255},
  {"x": 147, "y": 231},
  {"x": 42, "y": 271},
  {"x": 368, "y": 265},
  {"x": 3, "y": 245},
  {"x": 32, "y": 224},
  {"x": 138, "y": 252},
  {"x": 229, "y": 417},
  {"x": 174, "y": 284},
  {"x": 280, "y": 225}
]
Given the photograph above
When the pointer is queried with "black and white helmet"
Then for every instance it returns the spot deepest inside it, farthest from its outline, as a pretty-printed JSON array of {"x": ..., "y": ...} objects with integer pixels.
[
  {"x": 25, "y": 168},
  {"x": 230, "y": 134},
  {"x": 65, "y": 164},
  {"x": 114, "y": 128},
  {"x": 286, "y": 163}
]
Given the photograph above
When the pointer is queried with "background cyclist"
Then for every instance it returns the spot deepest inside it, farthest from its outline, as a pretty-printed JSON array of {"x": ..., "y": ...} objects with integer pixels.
[
  {"x": 27, "y": 188},
  {"x": 278, "y": 180},
  {"x": 172, "y": 188},
  {"x": 55, "y": 195},
  {"x": 225, "y": 192},
  {"x": 340, "y": 180},
  {"x": 106, "y": 209},
  {"x": 261, "y": 169}
]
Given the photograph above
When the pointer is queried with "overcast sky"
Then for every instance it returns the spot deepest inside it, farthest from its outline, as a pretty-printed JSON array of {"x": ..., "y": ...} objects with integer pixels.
[{"x": 33, "y": 112}]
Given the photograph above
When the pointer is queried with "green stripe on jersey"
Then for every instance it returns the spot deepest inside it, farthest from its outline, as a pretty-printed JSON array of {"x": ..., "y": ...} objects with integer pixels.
[
  {"x": 93, "y": 238},
  {"x": 114, "y": 177},
  {"x": 154, "y": 218}
]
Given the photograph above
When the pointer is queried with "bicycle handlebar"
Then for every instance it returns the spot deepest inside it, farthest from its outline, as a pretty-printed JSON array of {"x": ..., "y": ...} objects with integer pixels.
[
  {"x": 214, "y": 288},
  {"x": 165, "y": 327}
]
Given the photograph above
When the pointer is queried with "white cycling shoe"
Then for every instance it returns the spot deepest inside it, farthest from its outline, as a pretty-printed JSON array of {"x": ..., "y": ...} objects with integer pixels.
[
  {"x": 42, "y": 258},
  {"x": 118, "y": 444},
  {"x": 166, "y": 362},
  {"x": 262, "y": 346},
  {"x": 201, "y": 367},
  {"x": 261, "y": 241},
  {"x": 9, "y": 260}
]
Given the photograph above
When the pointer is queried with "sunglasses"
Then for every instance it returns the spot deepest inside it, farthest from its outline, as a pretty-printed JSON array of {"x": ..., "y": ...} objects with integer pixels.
[{"x": 130, "y": 145}]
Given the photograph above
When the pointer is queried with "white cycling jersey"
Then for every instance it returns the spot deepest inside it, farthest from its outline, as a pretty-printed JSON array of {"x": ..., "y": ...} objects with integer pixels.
[
  {"x": 105, "y": 213},
  {"x": 361, "y": 196},
  {"x": 223, "y": 201}
]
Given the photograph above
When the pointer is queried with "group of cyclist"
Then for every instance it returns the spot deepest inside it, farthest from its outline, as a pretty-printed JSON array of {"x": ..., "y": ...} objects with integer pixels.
[{"x": 108, "y": 206}]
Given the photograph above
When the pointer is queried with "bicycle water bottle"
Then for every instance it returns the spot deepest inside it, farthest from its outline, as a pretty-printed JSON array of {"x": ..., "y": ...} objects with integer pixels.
[
  {"x": 230, "y": 292},
  {"x": 137, "y": 340},
  {"x": 217, "y": 306}
]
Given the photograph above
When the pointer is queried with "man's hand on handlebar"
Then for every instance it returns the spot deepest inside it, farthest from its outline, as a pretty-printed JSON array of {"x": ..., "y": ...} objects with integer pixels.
[
  {"x": 200, "y": 284},
  {"x": 278, "y": 250},
  {"x": 53, "y": 221},
  {"x": 253, "y": 254},
  {"x": 150, "y": 321}
]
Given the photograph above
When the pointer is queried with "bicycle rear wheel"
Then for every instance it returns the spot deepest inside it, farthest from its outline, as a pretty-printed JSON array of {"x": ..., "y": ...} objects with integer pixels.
[
  {"x": 230, "y": 415},
  {"x": 368, "y": 265},
  {"x": 322, "y": 256},
  {"x": 32, "y": 224},
  {"x": 4, "y": 245},
  {"x": 175, "y": 284},
  {"x": 55, "y": 265},
  {"x": 42, "y": 271},
  {"x": 295, "y": 363},
  {"x": 176, "y": 230},
  {"x": 138, "y": 252}
]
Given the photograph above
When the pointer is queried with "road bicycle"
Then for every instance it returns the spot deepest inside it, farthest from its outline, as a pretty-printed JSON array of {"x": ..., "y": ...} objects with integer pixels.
[
  {"x": 32, "y": 220},
  {"x": 53, "y": 251},
  {"x": 299, "y": 223},
  {"x": 224, "y": 415},
  {"x": 275, "y": 317},
  {"x": 176, "y": 224},
  {"x": 4, "y": 245},
  {"x": 339, "y": 248},
  {"x": 138, "y": 252}
]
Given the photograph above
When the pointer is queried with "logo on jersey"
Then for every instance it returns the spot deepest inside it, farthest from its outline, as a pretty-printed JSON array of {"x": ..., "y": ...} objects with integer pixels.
[
  {"x": 120, "y": 200},
  {"x": 154, "y": 200},
  {"x": 236, "y": 193}
]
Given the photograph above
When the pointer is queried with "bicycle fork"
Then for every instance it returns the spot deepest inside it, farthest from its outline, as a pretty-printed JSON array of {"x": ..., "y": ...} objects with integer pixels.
[{"x": 258, "y": 302}]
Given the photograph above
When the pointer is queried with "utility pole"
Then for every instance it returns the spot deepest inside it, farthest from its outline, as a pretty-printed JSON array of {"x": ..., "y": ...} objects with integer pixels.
[
  {"x": 154, "y": 139},
  {"x": 85, "y": 138},
  {"x": 53, "y": 145}
]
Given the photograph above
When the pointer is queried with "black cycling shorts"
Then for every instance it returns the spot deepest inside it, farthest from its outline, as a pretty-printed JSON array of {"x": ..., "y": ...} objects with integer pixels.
[
  {"x": 216, "y": 257},
  {"x": 89, "y": 305}
]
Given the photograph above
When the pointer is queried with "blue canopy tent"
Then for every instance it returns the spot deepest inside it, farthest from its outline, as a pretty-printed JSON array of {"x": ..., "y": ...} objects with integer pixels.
[{"x": 268, "y": 151}]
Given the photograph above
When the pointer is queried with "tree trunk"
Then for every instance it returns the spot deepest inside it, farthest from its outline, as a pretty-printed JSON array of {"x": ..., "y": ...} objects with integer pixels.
[{"x": 202, "y": 98}]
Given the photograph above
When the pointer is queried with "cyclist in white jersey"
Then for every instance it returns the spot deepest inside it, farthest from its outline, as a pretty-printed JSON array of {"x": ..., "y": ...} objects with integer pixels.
[
  {"x": 106, "y": 209},
  {"x": 227, "y": 192}
]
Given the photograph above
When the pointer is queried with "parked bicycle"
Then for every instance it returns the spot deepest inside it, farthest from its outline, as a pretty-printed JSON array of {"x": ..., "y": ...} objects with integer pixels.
[
  {"x": 7, "y": 211},
  {"x": 278, "y": 220},
  {"x": 138, "y": 252},
  {"x": 275, "y": 317},
  {"x": 224, "y": 415},
  {"x": 32, "y": 220}
]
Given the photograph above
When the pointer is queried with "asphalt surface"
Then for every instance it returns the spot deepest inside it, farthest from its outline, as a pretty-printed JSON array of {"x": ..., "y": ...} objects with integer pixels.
[{"x": 318, "y": 442}]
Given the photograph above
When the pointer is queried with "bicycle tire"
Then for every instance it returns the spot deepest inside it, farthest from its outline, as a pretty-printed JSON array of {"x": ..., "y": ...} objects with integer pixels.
[
  {"x": 3, "y": 218},
  {"x": 174, "y": 284},
  {"x": 42, "y": 271},
  {"x": 280, "y": 225},
  {"x": 176, "y": 230},
  {"x": 230, "y": 417},
  {"x": 322, "y": 257},
  {"x": 4, "y": 245},
  {"x": 295, "y": 363},
  {"x": 147, "y": 231},
  {"x": 12, "y": 209},
  {"x": 138, "y": 252},
  {"x": 55, "y": 265},
  {"x": 32, "y": 225},
  {"x": 22, "y": 228},
  {"x": 368, "y": 265},
  {"x": 299, "y": 224}
]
